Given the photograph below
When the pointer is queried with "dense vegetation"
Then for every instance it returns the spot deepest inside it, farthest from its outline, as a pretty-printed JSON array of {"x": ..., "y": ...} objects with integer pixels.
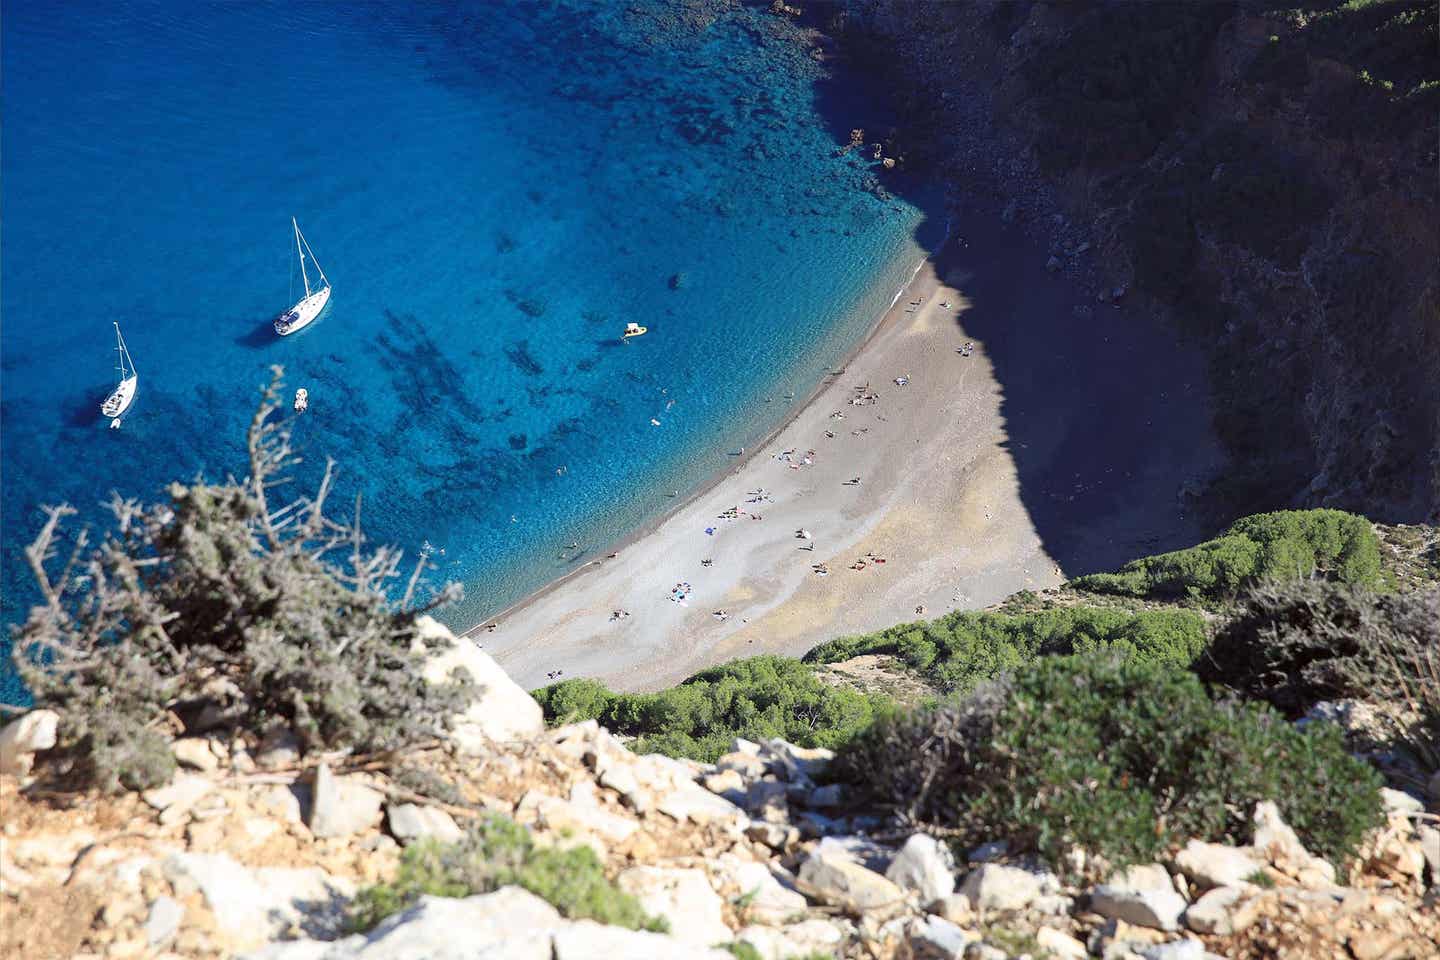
[
  {"x": 1120, "y": 757},
  {"x": 1294, "y": 645},
  {"x": 224, "y": 609},
  {"x": 498, "y": 853},
  {"x": 758, "y": 698},
  {"x": 1285, "y": 545},
  {"x": 960, "y": 649}
]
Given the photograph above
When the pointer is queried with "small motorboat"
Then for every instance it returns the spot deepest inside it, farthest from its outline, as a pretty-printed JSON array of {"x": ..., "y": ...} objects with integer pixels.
[
  {"x": 634, "y": 330},
  {"x": 302, "y": 400}
]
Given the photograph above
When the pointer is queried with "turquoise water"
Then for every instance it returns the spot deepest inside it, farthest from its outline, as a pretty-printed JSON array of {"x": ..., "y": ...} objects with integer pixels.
[{"x": 494, "y": 190}]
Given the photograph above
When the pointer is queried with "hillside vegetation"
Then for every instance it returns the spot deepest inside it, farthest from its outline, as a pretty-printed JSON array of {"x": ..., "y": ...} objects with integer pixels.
[{"x": 1286, "y": 545}]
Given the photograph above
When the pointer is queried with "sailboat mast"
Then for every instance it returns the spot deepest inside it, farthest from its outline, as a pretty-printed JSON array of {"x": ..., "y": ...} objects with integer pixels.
[
  {"x": 300, "y": 250},
  {"x": 127, "y": 366},
  {"x": 313, "y": 260}
]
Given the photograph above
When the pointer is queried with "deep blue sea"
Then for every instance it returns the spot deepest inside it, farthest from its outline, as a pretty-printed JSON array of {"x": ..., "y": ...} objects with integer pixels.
[{"x": 494, "y": 189}]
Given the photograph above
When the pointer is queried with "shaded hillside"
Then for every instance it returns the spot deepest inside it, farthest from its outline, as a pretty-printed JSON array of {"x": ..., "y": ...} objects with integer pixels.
[{"x": 1264, "y": 178}]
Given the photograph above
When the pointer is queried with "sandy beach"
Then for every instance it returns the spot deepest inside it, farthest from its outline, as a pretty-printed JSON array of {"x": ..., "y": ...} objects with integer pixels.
[{"x": 934, "y": 522}]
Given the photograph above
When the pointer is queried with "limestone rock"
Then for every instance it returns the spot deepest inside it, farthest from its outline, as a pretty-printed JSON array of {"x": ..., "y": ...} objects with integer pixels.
[
  {"x": 195, "y": 753},
  {"x": 796, "y": 764},
  {"x": 955, "y": 908},
  {"x": 776, "y": 836},
  {"x": 694, "y": 803},
  {"x": 163, "y": 921},
  {"x": 1174, "y": 950},
  {"x": 728, "y": 783},
  {"x": 251, "y": 906},
  {"x": 1217, "y": 865},
  {"x": 510, "y": 922},
  {"x": 23, "y": 737},
  {"x": 804, "y": 939},
  {"x": 682, "y": 896},
  {"x": 766, "y": 799},
  {"x": 177, "y": 798},
  {"x": 1399, "y": 801},
  {"x": 921, "y": 865},
  {"x": 840, "y": 880},
  {"x": 342, "y": 806},
  {"x": 1157, "y": 909},
  {"x": 558, "y": 815},
  {"x": 1275, "y": 841},
  {"x": 1219, "y": 912},
  {"x": 747, "y": 765},
  {"x": 1142, "y": 876},
  {"x": 1430, "y": 848},
  {"x": 937, "y": 937},
  {"x": 280, "y": 748},
  {"x": 993, "y": 886},
  {"x": 588, "y": 940},
  {"x": 1060, "y": 945},
  {"x": 500, "y": 711},
  {"x": 409, "y": 821},
  {"x": 761, "y": 896}
]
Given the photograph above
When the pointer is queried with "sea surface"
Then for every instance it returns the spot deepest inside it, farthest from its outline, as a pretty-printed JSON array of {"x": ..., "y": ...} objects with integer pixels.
[{"x": 494, "y": 189}]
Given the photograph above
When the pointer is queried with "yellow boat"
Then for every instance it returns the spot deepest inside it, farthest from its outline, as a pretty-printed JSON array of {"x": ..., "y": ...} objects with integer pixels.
[{"x": 633, "y": 330}]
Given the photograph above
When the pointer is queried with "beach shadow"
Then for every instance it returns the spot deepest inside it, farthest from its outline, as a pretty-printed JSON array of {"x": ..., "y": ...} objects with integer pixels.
[{"x": 1105, "y": 410}]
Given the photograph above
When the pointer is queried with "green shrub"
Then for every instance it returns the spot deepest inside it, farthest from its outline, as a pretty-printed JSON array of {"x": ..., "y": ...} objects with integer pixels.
[
  {"x": 1295, "y": 644},
  {"x": 961, "y": 649},
  {"x": 1120, "y": 757},
  {"x": 758, "y": 698},
  {"x": 224, "y": 608},
  {"x": 1286, "y": 545},
  {"x": 497, "y": 853}
]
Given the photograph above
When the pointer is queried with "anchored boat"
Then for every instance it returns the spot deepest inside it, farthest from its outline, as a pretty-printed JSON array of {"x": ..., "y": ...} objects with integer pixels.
[
  {"x": 124, "y": 393},
  {"x": 309, "y": 307},
  {"x": 634, "y": 330}
]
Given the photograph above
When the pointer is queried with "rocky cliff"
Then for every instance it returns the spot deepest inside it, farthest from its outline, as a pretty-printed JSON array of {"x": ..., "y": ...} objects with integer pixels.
[
  {"x": 1265, "y": 179},
  {"x": 258, "y": 849}
]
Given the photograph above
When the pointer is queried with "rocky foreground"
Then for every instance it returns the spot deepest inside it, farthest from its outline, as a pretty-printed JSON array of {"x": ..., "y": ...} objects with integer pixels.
[{"x": 257, "y": 850}]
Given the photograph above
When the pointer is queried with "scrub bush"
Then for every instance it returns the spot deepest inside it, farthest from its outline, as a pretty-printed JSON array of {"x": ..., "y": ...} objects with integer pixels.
[
  {"x": 1120, "y": 757},
  {"x": 1286, "y": 545},
  {"x": 1296, "y": 644},
  {"x": 962, "y": 649},
  {"x": 496, "y": 853},
  {"x": 758, "y": 698},
  {"x": 227, "y": 610}
]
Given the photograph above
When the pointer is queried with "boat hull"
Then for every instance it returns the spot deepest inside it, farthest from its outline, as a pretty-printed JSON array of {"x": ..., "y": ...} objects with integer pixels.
[
  {"x": 118, "y": 402},
  {"x": 303, "y": 313}
]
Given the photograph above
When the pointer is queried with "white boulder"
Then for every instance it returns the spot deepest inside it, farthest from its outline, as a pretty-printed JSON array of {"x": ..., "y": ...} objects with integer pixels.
[
  {"x": 994, "y": 886},
  {"x": 23, "y": 737},
  {"x": 922, "y": 866},
  {"x": 684, "y": 897},
  {"x": 500, "y": 711},
  {"x": 1157, "y": 909}
]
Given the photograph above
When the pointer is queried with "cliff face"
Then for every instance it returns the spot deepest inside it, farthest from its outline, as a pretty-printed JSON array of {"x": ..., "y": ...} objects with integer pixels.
[{"x": 1268, "y": 181}]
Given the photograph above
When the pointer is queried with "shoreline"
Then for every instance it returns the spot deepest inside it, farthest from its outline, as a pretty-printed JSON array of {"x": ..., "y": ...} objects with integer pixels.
[
  {"x": 706, "y": 486},
  {"x": 912, "y": 482}
]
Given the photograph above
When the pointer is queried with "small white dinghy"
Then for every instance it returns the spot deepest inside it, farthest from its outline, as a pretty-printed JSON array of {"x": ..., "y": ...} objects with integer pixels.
[
  {"x": 124, "y": 393},
  {"x": 310, "y": 305},
  {"x": 302, "y": 400}
]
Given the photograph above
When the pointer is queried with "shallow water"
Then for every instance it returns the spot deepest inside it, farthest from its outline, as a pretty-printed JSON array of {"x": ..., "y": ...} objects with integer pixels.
[{"x": 494, "y": 190}]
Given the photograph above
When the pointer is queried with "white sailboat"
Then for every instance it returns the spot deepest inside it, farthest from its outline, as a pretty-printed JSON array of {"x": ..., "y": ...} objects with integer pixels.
[
  {"x": 309, "y": 307},
  {"x": 124, "y": 393}
]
